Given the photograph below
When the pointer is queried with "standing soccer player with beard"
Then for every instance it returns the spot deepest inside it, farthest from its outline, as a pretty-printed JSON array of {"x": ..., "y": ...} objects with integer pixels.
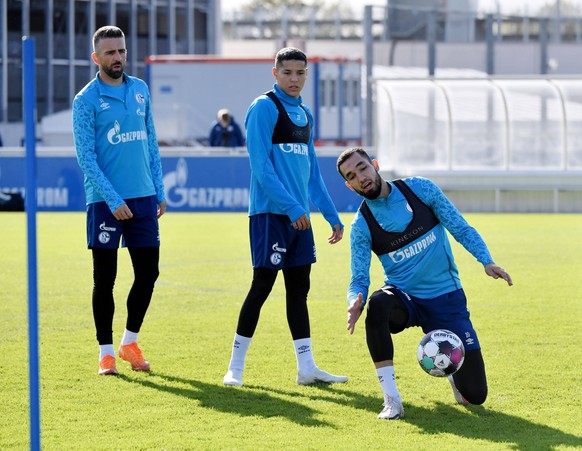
[{"x": 117, "y": 151}]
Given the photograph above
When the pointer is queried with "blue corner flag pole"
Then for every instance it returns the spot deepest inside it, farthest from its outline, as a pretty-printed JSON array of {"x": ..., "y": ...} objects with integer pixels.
[{"x": 29, "y": 96}]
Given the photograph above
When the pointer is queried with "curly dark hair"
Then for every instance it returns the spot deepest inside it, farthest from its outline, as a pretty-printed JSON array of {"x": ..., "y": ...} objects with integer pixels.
[{"x": 347, "y": 154}]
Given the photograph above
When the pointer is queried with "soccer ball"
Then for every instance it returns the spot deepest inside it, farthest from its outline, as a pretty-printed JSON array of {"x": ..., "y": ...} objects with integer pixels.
[{"x": 440, "y": 353}]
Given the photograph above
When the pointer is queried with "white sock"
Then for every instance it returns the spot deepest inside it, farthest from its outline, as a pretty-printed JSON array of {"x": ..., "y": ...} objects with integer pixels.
[
  {"x": 305, "y": 362},
  {"x": 240, "y": 346},
  {"x": 128, "y": 337},
  {"x": 104, "y": 350},
  {"x": 388, "y": 383}
]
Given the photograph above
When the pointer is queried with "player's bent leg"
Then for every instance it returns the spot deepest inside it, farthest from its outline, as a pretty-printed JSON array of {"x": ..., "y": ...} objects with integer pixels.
[
  {"x": 386, "y": 314},
  {"x": 471, "y": 380}
]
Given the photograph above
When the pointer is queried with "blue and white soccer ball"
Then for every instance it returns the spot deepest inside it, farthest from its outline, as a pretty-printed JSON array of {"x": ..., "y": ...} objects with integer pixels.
[{"x": 440, "y": 353}]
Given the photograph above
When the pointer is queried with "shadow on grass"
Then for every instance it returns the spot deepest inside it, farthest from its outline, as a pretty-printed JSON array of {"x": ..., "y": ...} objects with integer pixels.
[
  {"x": 472, "y": 422},
  {"x": 479, "y": 423},
  {"x": 241, "y": 401},
  {"x": 336, "y": 393}
]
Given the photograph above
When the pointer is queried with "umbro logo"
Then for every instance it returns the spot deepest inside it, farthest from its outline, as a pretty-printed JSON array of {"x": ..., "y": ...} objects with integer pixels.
[{"x": 303, "y": 349}]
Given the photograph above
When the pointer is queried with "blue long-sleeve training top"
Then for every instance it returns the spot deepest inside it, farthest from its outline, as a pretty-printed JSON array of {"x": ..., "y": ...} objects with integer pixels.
[
  {"x": 284, "y": 177},
  {"x": 116, "y": 142},
  {"x": 424, "y": 268}
]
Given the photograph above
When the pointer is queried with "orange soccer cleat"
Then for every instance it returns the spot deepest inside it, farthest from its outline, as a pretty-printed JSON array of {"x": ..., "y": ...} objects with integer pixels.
[
  {"x": 107, "y": 366},
  {"x": 132, "y": 354}
]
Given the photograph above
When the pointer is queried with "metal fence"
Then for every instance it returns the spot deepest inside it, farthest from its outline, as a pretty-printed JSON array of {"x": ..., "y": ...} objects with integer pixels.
[{"x": 398, "y": 21}]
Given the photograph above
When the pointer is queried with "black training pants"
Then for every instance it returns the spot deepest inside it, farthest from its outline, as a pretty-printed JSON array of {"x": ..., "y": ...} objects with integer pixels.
[
  {"x": 297, "y": 284},
  {"x": 145, "y": 268}
]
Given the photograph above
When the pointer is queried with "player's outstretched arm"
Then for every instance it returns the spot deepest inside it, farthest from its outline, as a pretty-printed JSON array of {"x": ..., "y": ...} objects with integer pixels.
[
  {"x": 496, "y": 272},
  {"x": 354, "y": 312}
]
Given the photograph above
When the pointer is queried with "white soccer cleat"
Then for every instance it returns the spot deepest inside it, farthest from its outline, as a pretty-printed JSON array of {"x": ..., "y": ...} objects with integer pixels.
[
  {"x": 393, "y": 410},
  {"x": 458, "y": 397},
  {"x": 233, "y": 377},
  {"x": 317, "y": 375}
]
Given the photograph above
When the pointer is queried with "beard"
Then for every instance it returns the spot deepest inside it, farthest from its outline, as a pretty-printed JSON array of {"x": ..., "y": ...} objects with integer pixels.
[
  {"x": 376, "y": 189},
  {"x": 114, "y": 73}
]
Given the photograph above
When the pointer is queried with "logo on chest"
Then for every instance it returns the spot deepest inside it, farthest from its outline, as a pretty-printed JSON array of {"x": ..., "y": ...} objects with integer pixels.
[
  {"x": 294, "y": 148},
  {"x": 116, "y": 136},
  {"x": 414, "y": 249}
]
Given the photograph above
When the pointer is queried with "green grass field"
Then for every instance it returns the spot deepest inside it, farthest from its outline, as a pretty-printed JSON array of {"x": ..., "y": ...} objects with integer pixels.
[{"x": 530, "y": 334}]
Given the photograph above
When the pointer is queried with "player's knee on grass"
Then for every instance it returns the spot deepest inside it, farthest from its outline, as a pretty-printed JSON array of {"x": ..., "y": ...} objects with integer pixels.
[
  {"x": 477, "y": 395},
  {"x": 471, "y": 380},
  {"x": 475, "y": 392}
]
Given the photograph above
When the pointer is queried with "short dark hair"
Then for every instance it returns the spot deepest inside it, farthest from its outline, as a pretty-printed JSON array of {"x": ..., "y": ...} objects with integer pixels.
[
  {"x": 346, "y": 154},
  {"x": 288, "y": 54},
  {"x": 106, "y": 32}
]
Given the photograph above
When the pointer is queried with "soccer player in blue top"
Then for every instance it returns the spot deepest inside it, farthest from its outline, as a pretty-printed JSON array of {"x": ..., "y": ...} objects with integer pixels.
[
  {"x": 405, "y": 223},
  {"x": 284, "y": 177},
  {"x": 118, "y": 153}
]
